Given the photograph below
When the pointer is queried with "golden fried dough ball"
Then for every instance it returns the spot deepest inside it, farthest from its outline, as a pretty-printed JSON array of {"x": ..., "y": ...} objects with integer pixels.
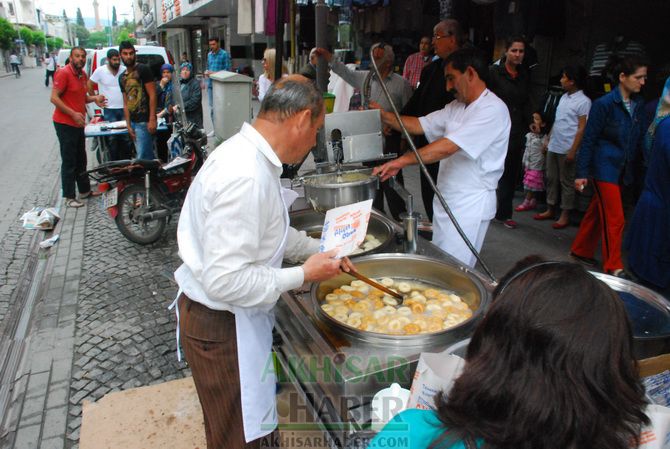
[{"x": 411, "y": 328}]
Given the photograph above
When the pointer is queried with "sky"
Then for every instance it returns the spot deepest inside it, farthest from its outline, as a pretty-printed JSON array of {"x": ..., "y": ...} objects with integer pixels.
[{"x": 56, "y": 7}]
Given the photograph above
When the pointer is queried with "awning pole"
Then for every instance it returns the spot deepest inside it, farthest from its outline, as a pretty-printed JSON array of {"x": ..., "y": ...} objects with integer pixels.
[{"x": 321, "y": 34}]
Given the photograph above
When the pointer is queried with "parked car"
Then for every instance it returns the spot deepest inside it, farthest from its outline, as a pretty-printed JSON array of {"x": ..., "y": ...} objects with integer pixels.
[
  {"x": 153, "y": 56},
  {"x": 64, "y": 54}
]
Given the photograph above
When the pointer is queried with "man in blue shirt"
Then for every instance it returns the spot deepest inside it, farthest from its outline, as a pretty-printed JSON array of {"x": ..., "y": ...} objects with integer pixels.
[{"x": 217, "y": 60}]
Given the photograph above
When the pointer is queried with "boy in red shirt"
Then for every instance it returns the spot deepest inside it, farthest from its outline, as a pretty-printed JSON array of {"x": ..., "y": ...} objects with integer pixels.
[{"x": 70, "y": 96}]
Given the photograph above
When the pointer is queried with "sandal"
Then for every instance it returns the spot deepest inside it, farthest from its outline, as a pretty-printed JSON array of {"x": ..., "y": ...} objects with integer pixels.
[
  {"x": 73, "y": 202},
  {"x": 91, "y": 193}
]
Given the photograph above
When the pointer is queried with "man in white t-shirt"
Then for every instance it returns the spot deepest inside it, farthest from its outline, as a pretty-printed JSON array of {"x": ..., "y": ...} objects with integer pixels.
[
  {"x": 50, "y": 63},
  {"x": 107, "y": 78},
  {"x": 469, "y": 137}
]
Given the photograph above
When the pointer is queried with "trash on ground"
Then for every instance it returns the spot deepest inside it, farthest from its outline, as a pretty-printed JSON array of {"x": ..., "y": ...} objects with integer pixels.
[
  {"x": 40, "y": 218},
  {"x": 48, "y": 243}
]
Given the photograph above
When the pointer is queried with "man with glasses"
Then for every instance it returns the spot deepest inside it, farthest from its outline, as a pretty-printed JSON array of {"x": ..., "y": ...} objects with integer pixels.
[{"x": 431, "y": 96}]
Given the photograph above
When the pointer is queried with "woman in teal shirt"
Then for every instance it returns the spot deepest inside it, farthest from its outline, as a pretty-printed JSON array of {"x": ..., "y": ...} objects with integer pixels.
[{"x": 550, "y": 366}]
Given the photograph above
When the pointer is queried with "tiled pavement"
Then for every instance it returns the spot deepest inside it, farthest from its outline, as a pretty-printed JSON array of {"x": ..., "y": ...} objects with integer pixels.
[{"x": 99, "y": 324}]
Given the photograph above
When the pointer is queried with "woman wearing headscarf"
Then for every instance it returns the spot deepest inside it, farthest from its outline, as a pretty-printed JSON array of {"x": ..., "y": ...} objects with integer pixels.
[
  {"x": 648, "y": 239},
  {"x": 191, "y": 95},
  {"x": 163, "y": 90}
]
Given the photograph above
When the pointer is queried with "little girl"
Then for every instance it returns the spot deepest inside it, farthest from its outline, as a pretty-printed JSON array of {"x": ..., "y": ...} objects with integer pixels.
[{"x": 533, "y": 162}]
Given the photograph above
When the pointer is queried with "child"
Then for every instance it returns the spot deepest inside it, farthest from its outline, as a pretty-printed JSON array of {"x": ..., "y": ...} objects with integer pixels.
[
  {"x": 564, "y": 141},
  {"x": 533, "y": 163}
]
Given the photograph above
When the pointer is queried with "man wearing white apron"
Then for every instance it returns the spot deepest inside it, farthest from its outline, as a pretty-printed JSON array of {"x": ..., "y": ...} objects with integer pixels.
[
  {"x": 233, "y": 234},
  {"x": 469, "y": 137}
]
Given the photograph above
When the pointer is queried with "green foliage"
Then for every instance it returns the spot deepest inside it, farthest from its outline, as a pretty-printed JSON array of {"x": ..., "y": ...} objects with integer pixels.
[
  {"x": 124, "y": 35},
  {"x": 38, "y": 38},
  {"x": 27, "y": 35},
  {"x": 7, "y": 34},
  {"x": 80, "y": 19},
  {"x": 98, "y": 38},
  {"x": 82, "y": 34}
]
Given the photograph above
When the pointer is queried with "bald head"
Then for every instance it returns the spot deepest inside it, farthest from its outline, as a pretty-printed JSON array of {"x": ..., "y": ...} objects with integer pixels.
[{"x": 290, "y": 95}]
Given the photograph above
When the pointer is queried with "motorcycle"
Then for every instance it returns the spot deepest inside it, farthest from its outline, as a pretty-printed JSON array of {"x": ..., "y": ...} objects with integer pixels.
[{"x": 142, "y": 195}]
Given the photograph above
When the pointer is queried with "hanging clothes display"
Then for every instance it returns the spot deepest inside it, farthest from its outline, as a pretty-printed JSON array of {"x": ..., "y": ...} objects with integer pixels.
[
  {"x": 271, "y": 14},
  {"x": 259, "y": 18},
  {"x": 244, "y": 14}
]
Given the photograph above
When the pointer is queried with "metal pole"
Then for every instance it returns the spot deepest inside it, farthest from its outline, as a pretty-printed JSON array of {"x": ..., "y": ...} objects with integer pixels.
[
  {"x": 279, "y": 39},
  {"x": 321, "y": 34},
  {"x": 443, "y": 202}
]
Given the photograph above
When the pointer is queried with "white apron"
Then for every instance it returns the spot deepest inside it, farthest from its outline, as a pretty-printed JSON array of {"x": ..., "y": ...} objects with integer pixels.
[
  {"x": 473, "y": 215},
  {"x": 254, "y": 353}
]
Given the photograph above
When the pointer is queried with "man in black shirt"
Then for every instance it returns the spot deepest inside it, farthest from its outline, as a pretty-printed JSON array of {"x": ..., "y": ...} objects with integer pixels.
[
  {"x": 431, "y": 94},
  {"x": 139, "y": 101}
]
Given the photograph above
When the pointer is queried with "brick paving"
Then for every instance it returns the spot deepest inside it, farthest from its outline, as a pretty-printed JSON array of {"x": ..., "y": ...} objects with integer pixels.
[{"x": 124, "y": 333}]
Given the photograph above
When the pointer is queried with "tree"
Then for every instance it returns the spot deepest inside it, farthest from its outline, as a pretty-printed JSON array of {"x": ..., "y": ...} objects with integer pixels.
[
  {"x": 124, "y": 35},
  {"x": 98, "y": 38},
  {"x": 114, "y": 22},
  {"x": 80, "y": 19},
  {"x": 82, "y": 35},
  {"x": 38, "y": 38},
  {"x": 26, "y": 35},
  {"x": 7, "y": 34}
]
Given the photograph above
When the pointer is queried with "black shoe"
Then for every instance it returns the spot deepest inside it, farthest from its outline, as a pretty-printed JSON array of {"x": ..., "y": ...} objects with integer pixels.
[
  {"x": 621, "y": 274},
  {"x": 585, "y": 260}
]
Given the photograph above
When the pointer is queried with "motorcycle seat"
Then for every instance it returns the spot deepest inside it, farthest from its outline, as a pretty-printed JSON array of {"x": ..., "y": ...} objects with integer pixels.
[{"x": 149, "y": 164}]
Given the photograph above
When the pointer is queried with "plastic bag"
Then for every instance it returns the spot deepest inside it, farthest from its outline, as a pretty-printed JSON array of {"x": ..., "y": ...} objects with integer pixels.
[
  {"x": 435, "y": 372},
  {"x": 40, "y": 218}
]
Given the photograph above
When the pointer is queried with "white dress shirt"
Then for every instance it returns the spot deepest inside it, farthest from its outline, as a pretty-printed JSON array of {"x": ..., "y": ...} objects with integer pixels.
[{"x": 231, "y": 224}]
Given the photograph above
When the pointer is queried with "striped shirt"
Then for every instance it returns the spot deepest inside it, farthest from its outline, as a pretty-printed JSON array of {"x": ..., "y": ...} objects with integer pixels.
[{"x": 413, "y": 67}]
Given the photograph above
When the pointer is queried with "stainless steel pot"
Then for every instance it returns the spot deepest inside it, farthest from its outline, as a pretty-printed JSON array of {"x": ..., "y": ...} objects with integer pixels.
[
  {"x": 312, "y": 223},
  {"x": 411, "y": 267},
  {"x": 649, "y": 313},
  {"x": 329, "y": 190}
]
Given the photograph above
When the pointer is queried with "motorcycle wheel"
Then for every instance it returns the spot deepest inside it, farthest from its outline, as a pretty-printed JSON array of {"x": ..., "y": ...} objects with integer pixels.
[{"x": 131, "y": 204}]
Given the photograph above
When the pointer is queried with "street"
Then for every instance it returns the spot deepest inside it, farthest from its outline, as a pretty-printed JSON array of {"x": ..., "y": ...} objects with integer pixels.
[{"x": 89, "y": 316}]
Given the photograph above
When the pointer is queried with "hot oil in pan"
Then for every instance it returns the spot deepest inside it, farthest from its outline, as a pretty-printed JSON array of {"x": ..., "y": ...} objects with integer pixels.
[{"x": 647, "y": 320}]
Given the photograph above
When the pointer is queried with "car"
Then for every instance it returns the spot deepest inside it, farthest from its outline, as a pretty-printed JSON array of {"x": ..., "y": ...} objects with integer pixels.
[
  {"x": 64, "y": 54},
  {"x": 152, "y": 55}
]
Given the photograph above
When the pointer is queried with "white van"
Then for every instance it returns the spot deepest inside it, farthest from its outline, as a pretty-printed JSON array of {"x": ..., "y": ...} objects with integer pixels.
[
  {"x": 153, "y": 56},
  {"x": 64, "y": 54}
]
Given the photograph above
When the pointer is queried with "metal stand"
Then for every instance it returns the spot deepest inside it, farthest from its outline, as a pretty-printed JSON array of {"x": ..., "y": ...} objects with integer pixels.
[{"x": 443, "y": 202}]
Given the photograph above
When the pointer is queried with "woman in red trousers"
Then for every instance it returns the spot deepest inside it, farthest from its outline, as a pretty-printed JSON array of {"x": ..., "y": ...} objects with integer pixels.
[{"x": 612, "y": 137}]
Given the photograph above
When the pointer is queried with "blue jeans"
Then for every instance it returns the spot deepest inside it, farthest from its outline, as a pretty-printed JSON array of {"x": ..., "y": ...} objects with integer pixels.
[
  {"x": 144, "y": 141},
  {"x": 119, "y": 145},
  {"x": 210, "y": 97}
]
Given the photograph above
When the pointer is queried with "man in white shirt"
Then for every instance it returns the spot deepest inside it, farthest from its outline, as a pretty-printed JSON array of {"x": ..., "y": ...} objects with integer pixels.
[
  {"x": 107, "y": 78},
  {"x": 50, "y": 62},
  {"x": 233, "y": 234},
  {"x": 469, "y": 137}
]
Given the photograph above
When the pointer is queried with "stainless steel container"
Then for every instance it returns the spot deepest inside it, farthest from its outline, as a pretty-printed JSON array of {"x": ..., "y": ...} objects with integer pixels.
[
  {"x": 329, "y": 190},
  {"x": 411, "y": 267},
  {"x": 311, "y": 222},
  {"x": 649, "y": 313}
]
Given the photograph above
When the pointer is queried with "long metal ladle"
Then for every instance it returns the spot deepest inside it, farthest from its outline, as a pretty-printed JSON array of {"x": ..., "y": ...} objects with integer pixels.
[{"x": 443, "y": 202}]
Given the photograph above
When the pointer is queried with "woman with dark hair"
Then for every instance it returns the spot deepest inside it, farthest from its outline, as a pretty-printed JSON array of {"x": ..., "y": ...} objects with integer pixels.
[
  {"x": 550, "y": 366},
  {"x": 511, "y": 83},
  {"x": 564, "y": 141},
  {"x": 647, "y": 241},
  {"x": 611, "y": 140}
]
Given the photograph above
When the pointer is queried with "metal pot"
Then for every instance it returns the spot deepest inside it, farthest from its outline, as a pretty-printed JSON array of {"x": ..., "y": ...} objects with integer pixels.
[
  {"x": 312, "y": 223},
  {"x": 411, "y": 267},
  {"x": 329, "y": 190},
  {"x": 649, "y": 313}
]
